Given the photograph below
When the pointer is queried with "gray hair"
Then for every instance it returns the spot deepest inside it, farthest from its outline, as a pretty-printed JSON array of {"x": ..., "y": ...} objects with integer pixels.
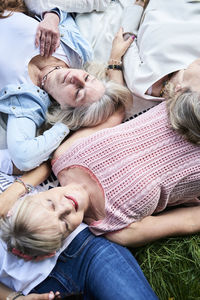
[
  {"x": 184, "y": 114},
  {"x": 92, "y": 114},
  {"x": 28, "y": 232}
]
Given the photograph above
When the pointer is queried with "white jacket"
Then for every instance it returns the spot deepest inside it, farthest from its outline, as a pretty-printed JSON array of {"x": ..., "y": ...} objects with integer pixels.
[
  {"x": 79, "y": 6},
  {"x": 168, "y": 40}
]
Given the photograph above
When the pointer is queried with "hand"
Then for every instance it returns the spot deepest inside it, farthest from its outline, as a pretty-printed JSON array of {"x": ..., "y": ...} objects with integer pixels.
[
  {"x": 119, "y": 45},
  {"x": 46, "y": 296},
  {"x": 140, "y": 2},
  {"x": 9, "y": 197},
  {"x": 48, "y": 35}
]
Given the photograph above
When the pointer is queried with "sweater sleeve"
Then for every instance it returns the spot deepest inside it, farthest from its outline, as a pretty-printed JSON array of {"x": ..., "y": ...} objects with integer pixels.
[
  {"x": 28, "y": 151},
  {"x": 79, "y": 6}
]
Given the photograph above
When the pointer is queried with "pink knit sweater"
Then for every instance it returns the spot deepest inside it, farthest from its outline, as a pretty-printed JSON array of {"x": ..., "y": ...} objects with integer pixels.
[{"x": 141, "y": 165}]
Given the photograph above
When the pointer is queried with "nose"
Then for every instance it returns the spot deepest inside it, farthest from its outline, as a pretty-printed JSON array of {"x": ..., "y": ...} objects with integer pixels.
[
  {"x": 63, "y": 209},
  {"x": 78, "y": 80}
]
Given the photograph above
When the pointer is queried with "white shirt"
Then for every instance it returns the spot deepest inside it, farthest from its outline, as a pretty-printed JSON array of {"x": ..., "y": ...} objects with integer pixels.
[
  {"x": 22, "y": 275},
  {"x": 19, "y": 49}
]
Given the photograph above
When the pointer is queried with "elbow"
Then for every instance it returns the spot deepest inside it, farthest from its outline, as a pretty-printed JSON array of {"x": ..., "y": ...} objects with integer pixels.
[
  {"x": 25, "y": 160},
  {"x": 192, "y": 224},
  {"x": 24, "y": 165}
]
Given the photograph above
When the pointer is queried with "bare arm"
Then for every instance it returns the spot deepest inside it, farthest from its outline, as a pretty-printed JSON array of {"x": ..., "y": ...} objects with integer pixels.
[
  {"x": 124, "y": 38},
  {"x": 16, "y": 190},
  {"x": 6, "y": 292},
  {"x": 119, "y": 48},
  {"x": 178, "y": 221}
]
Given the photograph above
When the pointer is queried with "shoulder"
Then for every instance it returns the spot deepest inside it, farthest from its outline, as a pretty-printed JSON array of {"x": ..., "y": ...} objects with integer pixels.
[{"x": 114, "y": 120}]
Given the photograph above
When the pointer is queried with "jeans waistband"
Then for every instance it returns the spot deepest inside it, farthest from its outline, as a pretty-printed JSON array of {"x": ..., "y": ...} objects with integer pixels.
[{"x": 78, "y": 243}]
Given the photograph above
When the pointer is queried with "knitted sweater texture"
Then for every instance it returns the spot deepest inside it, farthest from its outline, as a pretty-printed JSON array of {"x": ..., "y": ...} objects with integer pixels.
[{"x": 142, "y": 166}]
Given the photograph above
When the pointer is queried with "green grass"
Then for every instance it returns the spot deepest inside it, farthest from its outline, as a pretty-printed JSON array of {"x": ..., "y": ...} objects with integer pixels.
[{"x": 172, "y": 267}]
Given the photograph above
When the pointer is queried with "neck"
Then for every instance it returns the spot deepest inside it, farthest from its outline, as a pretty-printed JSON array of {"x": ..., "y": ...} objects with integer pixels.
[
  {"x": 39, "y": 66},
  {"x": 176, "y": 78}
]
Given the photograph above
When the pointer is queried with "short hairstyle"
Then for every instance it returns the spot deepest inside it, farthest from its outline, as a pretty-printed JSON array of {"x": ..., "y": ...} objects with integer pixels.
[
  {"x": 92, "y": 114},
  {"x": 184, "y": 114},
  {"x": 28, "y": 232}
]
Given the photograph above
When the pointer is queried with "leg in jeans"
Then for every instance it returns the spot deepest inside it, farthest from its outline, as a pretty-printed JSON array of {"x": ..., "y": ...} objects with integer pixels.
[{"x": 99, "y": 269}]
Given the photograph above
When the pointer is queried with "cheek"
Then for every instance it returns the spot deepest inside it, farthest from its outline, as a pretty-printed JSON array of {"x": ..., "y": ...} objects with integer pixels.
[
  {"x": 65, "y": 97},
  {"x": 77, "y": 220}
]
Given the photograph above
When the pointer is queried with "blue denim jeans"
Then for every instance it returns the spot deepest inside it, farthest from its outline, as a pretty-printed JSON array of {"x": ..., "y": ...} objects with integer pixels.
[{"x": 98, "y": 269}]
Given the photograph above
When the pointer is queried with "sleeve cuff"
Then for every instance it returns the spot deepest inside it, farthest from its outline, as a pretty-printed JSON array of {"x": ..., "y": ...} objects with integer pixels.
[{"x": 131, "y": 18}]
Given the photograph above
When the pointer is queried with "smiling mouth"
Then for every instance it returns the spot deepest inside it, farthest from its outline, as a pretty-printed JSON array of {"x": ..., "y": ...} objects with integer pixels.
[{"x": 74, "y": 202}]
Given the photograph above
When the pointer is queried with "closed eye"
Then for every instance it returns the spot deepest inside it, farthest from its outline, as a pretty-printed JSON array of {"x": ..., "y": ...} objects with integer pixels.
[
  {"x": 77, "y": 92},
  {"x": 66, "y": 225},
  {"x": 86, "y": 78},
  {"x": 51, "y": 204},
  {"x": 63, "y": 219}
]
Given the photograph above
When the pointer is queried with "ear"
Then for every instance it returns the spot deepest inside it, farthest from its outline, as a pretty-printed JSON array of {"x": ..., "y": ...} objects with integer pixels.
[{"x": 178, "y": 87}]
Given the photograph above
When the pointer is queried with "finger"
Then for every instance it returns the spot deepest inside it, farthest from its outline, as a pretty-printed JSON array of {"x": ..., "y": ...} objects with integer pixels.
[
  {"x": 37, "y": 38},
  {"x": 47, "y": 45},
  {"x": 42, "y": 43},
  {"x": 45, "y": 296},
  {"x": 53, "y": 44},
  {"x": 129, "y": 41},
  {"x": 120, "y": 32},
  {"x": 58, "y": 42}
]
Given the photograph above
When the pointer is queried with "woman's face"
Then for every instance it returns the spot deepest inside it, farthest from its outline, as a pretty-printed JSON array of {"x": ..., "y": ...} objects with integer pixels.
[
  {"x": 191, "y": 76},
  {"x": 63, "y": 206},
  {"x": 73, "y": 87}
]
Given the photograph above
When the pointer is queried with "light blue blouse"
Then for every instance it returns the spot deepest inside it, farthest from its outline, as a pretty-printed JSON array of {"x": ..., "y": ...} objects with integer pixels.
[{"x": 26, "y": 105}]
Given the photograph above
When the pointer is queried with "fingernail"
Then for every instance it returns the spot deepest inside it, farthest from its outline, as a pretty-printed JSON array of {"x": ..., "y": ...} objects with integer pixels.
[
  {"x": 51, "y": 295},
  {"x": 133, "y": 37}
]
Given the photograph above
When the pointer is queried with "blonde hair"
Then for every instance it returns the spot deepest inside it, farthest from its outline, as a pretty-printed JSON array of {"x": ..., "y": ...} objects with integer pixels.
[
  {"x": 115, "y": 96},
  {"x": 28, "y": 232},
  {"x": 11, "y": 6},
  {"x": 184, "y": 113}
]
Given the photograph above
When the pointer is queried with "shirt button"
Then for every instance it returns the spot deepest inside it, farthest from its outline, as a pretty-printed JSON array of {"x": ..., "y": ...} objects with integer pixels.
[
  {"x": 62, "y": 35},
  {"x": 13, "y": 107},
  {"x": 38, "y": 91},
  {"x": 62, "y": 25},
  {"x": 5, "y": 92},
  {"x": 19, "y": 87}
]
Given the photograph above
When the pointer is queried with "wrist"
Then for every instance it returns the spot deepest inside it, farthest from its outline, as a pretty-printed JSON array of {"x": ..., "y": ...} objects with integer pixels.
[
  {"x": 113, "y": 61},
  {"x": 115, "y": 58},
  {"x": 52, "y": 16},
  {"x": 15, "y": 295},
  {"x": 23, "y": 188}
]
